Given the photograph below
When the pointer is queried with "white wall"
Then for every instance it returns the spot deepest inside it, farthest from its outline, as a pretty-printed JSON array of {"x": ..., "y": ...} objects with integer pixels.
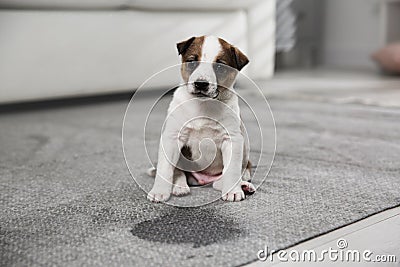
[{"x": 351, "y": 32}]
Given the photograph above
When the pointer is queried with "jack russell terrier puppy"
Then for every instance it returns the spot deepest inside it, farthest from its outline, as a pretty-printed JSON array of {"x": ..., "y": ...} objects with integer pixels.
[{"x": 203, "y": 127}]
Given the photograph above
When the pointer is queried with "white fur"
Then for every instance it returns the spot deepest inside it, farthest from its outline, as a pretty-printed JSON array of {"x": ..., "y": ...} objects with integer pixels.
[
  {"x": 211, "y": 48},
  {"x": 215, "y": 119}
]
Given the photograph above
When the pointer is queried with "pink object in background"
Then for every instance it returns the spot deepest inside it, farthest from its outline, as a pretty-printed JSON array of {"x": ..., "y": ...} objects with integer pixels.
[{"x": 388, "y": 57}]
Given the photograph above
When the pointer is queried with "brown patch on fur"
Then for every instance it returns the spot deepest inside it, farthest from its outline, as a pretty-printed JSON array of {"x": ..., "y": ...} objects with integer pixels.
[
  {"x": 191, "y": 52},
  {"x": 184, "y": 45},
  {"x": 186, "y": 152},
  {"x": 232, "y": 57},
  {"x": 249, "y": 166}
]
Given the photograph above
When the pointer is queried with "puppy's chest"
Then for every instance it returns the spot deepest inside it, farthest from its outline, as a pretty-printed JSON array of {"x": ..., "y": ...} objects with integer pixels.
[{"x": 203, "y": 129}]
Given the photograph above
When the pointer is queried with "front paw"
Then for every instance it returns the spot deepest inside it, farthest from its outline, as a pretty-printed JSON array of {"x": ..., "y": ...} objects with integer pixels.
[
  {"x": 180, "y": 190},
  {"x": 236, "y": 194},
  {"x": 157, "y": 195}
]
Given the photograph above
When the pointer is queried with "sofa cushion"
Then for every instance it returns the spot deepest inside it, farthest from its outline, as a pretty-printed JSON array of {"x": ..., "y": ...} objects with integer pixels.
[
  {"x": 63, "y": 4},
  {"x": 126, "y": 4}
]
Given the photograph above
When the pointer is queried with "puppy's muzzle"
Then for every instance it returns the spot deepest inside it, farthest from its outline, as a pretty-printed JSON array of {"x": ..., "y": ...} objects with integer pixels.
[{"x": 202, "y": 88}]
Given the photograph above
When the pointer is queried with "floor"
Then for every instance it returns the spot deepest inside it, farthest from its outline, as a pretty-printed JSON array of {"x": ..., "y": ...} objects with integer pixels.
[
  {"x": 336, "y": 86},
  {"x": 67, "y": 198},
  {"x": 379, "y": 233}
]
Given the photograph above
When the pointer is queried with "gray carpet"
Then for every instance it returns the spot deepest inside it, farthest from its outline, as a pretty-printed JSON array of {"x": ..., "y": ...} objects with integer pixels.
[{"x": 67, "y": 199}]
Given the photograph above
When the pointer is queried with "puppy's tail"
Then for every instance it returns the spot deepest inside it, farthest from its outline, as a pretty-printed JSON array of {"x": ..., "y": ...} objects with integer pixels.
[{"x": 151, "y": 172}]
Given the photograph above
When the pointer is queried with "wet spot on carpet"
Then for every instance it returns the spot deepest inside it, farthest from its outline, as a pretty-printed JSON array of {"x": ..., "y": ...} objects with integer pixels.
[{"x": 199, "y": 227}]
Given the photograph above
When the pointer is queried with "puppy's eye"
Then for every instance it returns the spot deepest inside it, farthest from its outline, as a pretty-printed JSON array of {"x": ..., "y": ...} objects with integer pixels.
[
  {"x": 220, "y": 69},
  {"x": 191, "y": 64}
]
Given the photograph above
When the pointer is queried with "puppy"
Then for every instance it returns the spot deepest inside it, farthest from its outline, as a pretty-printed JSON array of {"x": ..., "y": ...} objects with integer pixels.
[{"x": 203, "y": 140}]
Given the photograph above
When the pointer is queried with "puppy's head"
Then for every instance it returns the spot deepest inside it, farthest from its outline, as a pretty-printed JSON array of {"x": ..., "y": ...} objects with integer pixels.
[{"x": 209, "y": 65}]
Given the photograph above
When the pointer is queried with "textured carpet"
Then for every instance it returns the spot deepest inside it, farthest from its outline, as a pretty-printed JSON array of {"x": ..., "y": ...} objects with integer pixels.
[{"x": 66, "y": 196}]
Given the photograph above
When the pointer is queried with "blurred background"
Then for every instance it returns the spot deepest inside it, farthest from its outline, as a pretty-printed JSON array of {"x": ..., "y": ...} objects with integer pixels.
[
  {"x": 67, "y": 48},
  {"x": 342, "y": 34}
]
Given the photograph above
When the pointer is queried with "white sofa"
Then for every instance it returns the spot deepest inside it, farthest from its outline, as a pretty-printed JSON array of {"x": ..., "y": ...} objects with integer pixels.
[{"x": 58, "y": 48}]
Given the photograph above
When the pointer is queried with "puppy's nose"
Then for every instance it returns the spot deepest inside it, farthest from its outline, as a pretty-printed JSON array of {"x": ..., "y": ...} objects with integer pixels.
[{"x": 201, "y": 85}]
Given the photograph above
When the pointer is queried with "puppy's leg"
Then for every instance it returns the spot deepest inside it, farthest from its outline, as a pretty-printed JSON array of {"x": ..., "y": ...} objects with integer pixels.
[
  {"x": 232, "y": 156},
  {"x": 180, "y": 186},
  {"x": 247, "y": 187},
  {"x": 168, "y": 155}
]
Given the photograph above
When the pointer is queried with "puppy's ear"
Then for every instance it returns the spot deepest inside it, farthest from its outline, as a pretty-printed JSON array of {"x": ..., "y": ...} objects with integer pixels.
[
  {"x": 239, "y": 58},
  {"x": 184, "y": 45}
]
